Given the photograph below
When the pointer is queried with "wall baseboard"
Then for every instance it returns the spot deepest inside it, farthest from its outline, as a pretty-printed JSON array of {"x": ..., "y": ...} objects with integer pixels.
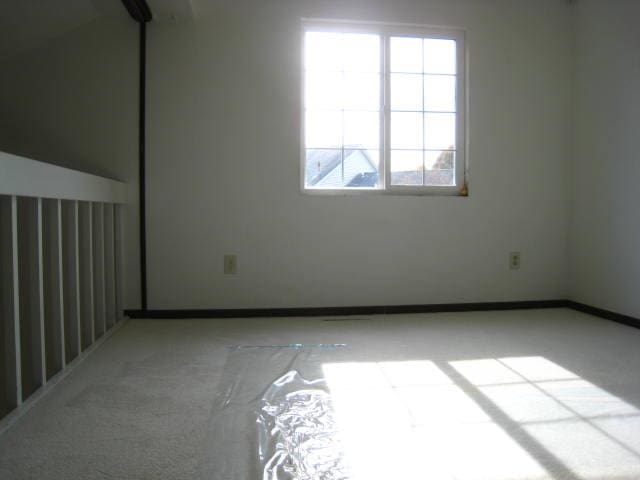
[
  {"x": 358, "y": 310},
  {"x": 606, "y": 314},
  {"x": 382, "y": 310}
]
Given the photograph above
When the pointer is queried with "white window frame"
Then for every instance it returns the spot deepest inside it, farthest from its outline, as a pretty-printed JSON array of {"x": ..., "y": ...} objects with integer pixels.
[{"x": 386, "y": 31}]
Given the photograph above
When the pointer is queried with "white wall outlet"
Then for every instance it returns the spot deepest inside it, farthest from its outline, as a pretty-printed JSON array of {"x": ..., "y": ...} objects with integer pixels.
[
  {"x": 230, "y": 264},
  {"x": 514, "y": 260}
]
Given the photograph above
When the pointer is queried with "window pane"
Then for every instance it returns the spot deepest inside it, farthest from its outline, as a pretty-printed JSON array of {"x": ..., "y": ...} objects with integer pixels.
[
  {"x": 362, "y": 91},
  {"x": 343, "y": 103},
  {"x": 331, "y": 177},
  {"x": 362, "y": 129},
  {"x": 406, "y": 167},
  {"x": 406, "y": 92},
  {"x": 319, "y": 163},
  {"x": 440, "y": 131},
  {"x": 440, "y": 168},
  {"x": 323, "y": 90},
  {"x": 440, "y": 93},
  {"x": 323, "y": 129},
  {"x": 406, "y": 54},
  {"x": 322, "y": 51},
  {"x": 439, "y": 56},
  {"x": 361, "y": 168},
  {"x": 406, "y": 130},
  {"x": 361, "y": 52},
  {"x": 325, "y": 168}
]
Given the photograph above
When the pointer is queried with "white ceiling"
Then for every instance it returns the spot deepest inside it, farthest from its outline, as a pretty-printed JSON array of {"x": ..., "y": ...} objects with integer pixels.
[{"x": 25, "y": 24}]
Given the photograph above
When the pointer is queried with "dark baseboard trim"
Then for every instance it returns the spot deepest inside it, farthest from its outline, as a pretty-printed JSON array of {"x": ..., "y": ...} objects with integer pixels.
[
  {"x": 606, "y": 314},
  {"x": 382, "y": 310},
  {"x": 327, "y": 311},
  {"x": 141, "y": 13}
]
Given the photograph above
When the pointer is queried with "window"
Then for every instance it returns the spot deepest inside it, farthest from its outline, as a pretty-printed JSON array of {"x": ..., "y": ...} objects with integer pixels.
[{"x": 383, "y": 109}]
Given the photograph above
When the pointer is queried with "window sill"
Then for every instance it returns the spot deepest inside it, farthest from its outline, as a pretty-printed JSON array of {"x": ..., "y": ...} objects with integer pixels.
[{"x": 394, "y": 191}]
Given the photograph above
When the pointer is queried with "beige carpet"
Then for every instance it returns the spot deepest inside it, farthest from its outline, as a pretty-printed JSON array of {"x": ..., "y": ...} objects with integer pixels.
[{"x": 527, "y": 395}]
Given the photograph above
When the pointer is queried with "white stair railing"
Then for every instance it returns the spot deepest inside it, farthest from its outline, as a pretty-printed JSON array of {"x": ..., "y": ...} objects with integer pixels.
[{"x": 60, "y": 273}]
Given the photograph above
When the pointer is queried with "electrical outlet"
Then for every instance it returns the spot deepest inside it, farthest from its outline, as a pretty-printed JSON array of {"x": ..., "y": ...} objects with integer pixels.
[
  {"x": 230, "y": 264},
  {"x": 514, "y": 260}
]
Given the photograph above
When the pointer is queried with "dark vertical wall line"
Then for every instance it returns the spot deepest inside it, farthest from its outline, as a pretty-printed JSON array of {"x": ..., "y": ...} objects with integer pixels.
[
  {"x": 141, "y": 13},
  {"x": 142, "y": 166}
]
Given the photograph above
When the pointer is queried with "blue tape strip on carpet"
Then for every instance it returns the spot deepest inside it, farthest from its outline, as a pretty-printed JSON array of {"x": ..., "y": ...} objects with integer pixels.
[{"x": 290, "y": 345}]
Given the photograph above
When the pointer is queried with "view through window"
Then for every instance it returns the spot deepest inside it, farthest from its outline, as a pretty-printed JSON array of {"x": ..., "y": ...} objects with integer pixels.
[{"x": 382, "y": 109}]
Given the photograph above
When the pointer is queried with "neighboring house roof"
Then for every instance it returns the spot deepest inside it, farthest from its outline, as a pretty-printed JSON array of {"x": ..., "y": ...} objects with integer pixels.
[
  {"x": 431, "y": 177},
  {"x": 440, "y": 173},
  {"x": 325, "y": 168}
]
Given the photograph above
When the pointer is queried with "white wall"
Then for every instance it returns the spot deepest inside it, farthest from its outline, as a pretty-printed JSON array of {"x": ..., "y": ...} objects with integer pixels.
[
  {"x": 74, "y": 102},
  {"x": 224, "y": 93},
  {"x": 605, "y": 225},
  {"x": 224, "y": 143}
]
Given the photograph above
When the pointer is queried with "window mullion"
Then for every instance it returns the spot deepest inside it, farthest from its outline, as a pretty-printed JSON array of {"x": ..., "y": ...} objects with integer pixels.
[
  {"x": 342, "y": 106},
  {"x": 423, "y": 123},
  {"x": 386, "y": 111}
]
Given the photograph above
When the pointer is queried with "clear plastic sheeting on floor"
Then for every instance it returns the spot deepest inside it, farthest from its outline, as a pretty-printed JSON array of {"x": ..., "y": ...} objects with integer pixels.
[
  {"x": 299, "y": 436},
  {"x": 326, "y": 412},
  {"x": 274, "y": 418}
]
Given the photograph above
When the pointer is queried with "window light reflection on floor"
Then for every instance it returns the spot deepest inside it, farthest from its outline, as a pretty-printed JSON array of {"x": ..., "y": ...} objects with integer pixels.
[{"x": 507, "y": 418}]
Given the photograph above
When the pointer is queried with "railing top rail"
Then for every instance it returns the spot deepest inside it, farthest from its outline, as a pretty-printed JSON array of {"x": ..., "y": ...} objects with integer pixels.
[{"x": 30, "y": 178}]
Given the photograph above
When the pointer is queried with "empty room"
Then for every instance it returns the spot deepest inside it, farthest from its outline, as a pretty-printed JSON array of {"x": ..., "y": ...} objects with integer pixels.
[{"x": 319, "y": 240}]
